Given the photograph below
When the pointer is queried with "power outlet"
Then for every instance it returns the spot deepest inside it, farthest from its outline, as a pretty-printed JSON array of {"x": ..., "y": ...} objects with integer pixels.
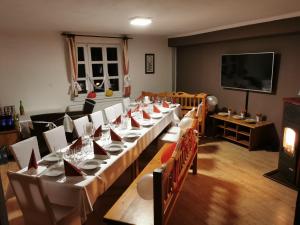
[{"x": 299, "y": 92}]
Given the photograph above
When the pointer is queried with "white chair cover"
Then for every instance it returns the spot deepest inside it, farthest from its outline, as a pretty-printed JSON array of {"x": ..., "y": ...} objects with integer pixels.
[
  {"x": 112, "y": 112},
  {"x": 174, "y": 130},
  {"x": 199, "y": 110},
  {"x": 68, "y": 123},
  {"x": 126, "y": 103},
  {"x": 22, "y": 151},
  {"x": 97, "y": 119},
  {"x": 34, "y": 203},
  {"x": 56, "y": 138},
  {"x": 80, "y": 124}
]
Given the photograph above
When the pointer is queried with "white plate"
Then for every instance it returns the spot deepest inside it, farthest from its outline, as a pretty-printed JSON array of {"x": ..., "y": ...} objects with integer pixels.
[
  {"x": 114, "y": 148},
  {"x": 54, "y": 172},
  {"x": 165, "y": 110},
  {"x": 89, "y": 164},
  {"x": 146, "y": 123},
  {"x": 249, "y": 120},
  {"x": 133, "y": 103},
  {"x": 237, "y": 117},
  {"x": 156, "y": 115},
  {"x": 172, "y": 105},
  {"x": 51, "y": 158},
  {"x": 223, "y": 114},
  {"x": 131, "y": 135}
]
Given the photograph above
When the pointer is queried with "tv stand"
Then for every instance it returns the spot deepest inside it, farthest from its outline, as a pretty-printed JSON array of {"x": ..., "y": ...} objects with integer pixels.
[{"x": 250, "y": 135}]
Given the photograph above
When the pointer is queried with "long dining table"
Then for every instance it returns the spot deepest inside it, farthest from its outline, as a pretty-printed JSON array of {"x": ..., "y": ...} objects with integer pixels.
[{"x": 83, "y": 191}]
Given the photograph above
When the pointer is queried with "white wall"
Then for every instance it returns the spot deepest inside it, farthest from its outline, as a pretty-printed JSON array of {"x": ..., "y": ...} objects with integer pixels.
[
  {"x": 161, "y": 80},
  {"x": 33, "y": 69}
]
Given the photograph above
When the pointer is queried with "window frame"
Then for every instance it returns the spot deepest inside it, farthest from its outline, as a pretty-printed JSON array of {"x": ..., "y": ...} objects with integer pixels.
[{"x": 88, "y": 68}]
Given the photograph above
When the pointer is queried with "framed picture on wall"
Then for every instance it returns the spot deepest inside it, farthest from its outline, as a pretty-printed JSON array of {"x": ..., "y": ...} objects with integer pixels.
[{"x": 149, "y": 63}]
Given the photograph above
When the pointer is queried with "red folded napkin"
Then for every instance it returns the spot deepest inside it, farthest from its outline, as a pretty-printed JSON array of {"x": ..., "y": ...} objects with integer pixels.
[
  {"x": 98, "y": 132},
  {"x": 117, "y": 120},
  {"x": 129, "y": 113},
  {"x": 174, "y": 100},
  {"x": 165, "y": 104},
  {"x": 114, "y": 136},
  {"x": 146, "y": 115},
  {"x": 137, "y": 108},
  {"x": 77, "y": 144},
  {"x": 98, "y": 150},
  {"x": 139, "y": 98},
  {"x": 32, "y": 162},
  {"x": 156, "y": 109},
  {"x": 134, "y": 123},
  {"x": 71, "y": 170}
]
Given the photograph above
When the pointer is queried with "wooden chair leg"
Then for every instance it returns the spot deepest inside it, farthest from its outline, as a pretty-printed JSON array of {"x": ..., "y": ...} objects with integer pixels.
[{"x": 195, "y": 164}]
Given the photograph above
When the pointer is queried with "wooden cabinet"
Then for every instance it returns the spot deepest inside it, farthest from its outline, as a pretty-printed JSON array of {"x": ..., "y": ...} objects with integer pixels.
[
  {"x": 9, "y": 137},
  {"x": 250, "y": 135}
]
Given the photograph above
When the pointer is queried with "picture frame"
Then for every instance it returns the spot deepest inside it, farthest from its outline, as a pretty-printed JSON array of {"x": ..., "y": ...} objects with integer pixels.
[{"x": 149, "y": 63}]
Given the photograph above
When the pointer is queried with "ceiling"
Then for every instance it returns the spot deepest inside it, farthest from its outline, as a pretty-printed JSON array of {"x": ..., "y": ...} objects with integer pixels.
[{"x": 170, "y": 17}]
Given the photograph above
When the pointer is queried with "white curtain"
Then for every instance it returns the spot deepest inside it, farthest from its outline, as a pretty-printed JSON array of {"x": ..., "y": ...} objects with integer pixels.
[
  {"x": 126, "y": 81},
  {"x": 74, "y": 86}
]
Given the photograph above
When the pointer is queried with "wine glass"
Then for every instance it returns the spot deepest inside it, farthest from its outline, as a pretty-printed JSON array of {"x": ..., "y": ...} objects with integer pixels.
[
  {"x": 105, "y": 135},
  {"x": 59, "y": 152}
]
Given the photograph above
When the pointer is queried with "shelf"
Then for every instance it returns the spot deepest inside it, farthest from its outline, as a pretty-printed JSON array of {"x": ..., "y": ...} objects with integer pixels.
[
  {"x": 243, "y": 142},
  {"x": 238, "y": 131},
  {"x": 231, "y": 129},
  {"x": 244, "y": 133},
  {"x": 230, "y": 137}
]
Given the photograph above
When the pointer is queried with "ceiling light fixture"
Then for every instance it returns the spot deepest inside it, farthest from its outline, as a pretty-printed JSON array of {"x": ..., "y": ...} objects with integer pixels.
[{"x": 140, "y": 21}]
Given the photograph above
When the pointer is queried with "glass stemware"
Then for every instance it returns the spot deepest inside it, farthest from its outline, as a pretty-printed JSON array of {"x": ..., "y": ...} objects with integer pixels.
[{"x": 105, "y": 138}]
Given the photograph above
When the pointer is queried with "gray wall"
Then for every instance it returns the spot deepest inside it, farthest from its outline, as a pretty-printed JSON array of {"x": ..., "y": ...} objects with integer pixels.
[{"x": 199, "y": 71}]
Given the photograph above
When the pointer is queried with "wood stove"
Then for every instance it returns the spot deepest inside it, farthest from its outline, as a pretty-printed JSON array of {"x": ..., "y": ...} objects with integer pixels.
[{"x": 288, "y": 172}]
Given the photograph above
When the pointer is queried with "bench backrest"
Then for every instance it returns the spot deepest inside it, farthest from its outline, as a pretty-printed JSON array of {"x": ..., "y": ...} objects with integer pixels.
[{"x": 168, "y": 180}]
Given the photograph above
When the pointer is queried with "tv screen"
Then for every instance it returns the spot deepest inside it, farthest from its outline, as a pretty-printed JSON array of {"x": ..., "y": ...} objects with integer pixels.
[{"x": 248, "y": 71}]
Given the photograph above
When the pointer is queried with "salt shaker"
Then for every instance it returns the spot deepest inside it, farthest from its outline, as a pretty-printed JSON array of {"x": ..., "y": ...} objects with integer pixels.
[
  {"x": 258, "y": 117},
  {"x": 229, "y": 112},
  {"x": 243, "y": 114}
]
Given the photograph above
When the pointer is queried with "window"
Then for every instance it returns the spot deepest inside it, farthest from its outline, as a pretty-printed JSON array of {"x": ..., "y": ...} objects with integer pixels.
[{"x": 99, "y": 68}]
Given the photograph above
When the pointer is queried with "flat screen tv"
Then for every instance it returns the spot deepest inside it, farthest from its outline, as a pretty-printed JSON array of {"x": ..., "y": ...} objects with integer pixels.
[{"x": 248, "y": 71}]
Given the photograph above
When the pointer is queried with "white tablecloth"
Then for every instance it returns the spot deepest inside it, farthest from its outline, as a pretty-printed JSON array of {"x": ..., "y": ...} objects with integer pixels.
[{"x": 83, "y": 191}]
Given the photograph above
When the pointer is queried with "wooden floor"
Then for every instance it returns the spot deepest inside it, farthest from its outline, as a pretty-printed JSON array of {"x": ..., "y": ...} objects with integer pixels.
[{"x": 229, "y": 190}]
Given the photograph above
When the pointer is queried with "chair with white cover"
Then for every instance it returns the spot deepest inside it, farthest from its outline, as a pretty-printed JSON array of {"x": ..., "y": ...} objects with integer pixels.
[
  {"x": 114, "y": 111},
  {"x": 35, "y": 204},
  {"x": 118, "y": 109},
  {"x": 97, "y": 119},
  {"x": 80, "y": 124},
  {"x": 126, "y": 103},
  {"x": 22, "y": 151},
  {"x": 56, "y": 138},
  {"x": 174, "y": 133}
]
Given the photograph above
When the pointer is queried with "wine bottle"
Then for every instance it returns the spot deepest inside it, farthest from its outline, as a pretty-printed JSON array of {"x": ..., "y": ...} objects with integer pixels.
[{"x": 21, "y": 109}]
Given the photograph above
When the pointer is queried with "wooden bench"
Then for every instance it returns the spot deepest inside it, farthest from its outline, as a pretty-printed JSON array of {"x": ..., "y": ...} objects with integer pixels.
[
  {"x": 187, "y": 102},
  {"x": 168, "y": 180}
]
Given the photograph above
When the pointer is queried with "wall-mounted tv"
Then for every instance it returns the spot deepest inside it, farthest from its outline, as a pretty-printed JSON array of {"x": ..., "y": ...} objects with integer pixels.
[{"x": 248, "y": 71}]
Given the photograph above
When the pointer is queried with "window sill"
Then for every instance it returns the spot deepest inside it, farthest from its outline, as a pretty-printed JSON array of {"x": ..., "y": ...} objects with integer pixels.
[{"x": 100, "y": 97}]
